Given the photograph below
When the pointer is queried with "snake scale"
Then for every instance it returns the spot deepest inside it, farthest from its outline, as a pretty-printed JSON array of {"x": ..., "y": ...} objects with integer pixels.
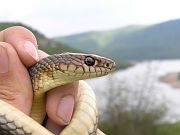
[{"x": 48, "y": 73}]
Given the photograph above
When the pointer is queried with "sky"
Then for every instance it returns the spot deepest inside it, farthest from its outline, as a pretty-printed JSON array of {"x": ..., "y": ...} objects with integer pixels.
[{"x": 66, "y": 17}]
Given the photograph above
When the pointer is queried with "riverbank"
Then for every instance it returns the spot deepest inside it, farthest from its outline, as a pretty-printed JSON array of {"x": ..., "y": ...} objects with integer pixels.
[{"x": 172, "y": 79}]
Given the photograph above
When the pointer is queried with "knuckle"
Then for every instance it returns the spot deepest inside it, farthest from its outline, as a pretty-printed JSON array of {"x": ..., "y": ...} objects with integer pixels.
[{"x": 7, "y": 93}]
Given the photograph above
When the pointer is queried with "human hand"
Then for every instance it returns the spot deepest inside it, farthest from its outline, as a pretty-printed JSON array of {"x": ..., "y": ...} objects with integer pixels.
[{"x": 17, "y": 52}]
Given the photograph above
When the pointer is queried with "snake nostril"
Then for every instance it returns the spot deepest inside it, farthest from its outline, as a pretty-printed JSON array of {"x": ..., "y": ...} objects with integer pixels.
[{"x": 90, "y": 61}]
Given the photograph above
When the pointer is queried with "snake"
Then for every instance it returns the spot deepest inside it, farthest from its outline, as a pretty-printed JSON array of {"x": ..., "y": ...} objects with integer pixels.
[{"x": 50, "y": 72}]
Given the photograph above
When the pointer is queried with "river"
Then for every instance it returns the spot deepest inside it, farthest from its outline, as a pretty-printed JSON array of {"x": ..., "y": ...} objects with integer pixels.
[{"x": 148, "y": 72}]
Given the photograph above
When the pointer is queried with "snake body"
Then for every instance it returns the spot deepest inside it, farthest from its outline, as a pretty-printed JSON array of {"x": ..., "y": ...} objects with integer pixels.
[{"x": 48, "y": 73}]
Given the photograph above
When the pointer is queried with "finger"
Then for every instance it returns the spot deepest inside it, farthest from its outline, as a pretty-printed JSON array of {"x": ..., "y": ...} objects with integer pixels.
[
  {"x": 53, "y": 127},
  {"x": 53, "y": 105},
  {"x": 15, "y": 85},
  {"x": 42, "y": 54},
  {"x": 24, "y": 43},
  {"x": 60, "y": 103}
]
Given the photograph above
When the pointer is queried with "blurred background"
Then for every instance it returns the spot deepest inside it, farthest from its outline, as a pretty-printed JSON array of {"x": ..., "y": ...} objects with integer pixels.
[{"x": 142, "y": 97}]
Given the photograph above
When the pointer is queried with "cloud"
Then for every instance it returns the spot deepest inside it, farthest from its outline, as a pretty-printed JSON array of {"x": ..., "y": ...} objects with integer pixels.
[
  {"x": 62, "y": 17},
  {"x": 16, "y": 10}
]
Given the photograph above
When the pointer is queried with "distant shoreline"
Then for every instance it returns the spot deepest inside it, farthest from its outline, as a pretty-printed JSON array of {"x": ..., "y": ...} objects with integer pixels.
[{"x": 172, "y": 79}]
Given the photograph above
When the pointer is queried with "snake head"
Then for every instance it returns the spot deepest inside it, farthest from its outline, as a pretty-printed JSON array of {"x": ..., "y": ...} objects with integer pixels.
[
  {"x": 68, "y": 67},
  {"x": 84, "y": 65}
]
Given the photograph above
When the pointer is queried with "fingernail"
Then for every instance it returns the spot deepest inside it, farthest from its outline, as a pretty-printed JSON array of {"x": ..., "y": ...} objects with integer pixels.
[
  {"x": 4, "y": 60},
  {"x": 31, "y": 50},
  {"x": 65, "y": 109}
]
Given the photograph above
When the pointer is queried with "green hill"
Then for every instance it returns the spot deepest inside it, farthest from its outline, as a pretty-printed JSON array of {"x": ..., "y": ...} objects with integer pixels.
[
  {"x": 158, "y": 41},
  {"x": 96, "y": 41},
  {"x": 48, "y": 45}
]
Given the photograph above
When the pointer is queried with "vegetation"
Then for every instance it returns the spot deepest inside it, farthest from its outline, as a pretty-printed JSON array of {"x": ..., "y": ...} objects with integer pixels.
[
  {"x": 158, "y": 129},
  {"x": 135, "y": 110},
  {"x": 159, "y": 41}
]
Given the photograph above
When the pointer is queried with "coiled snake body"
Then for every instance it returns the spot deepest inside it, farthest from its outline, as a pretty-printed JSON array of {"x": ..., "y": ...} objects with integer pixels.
[{"x": 48, "y": 73}]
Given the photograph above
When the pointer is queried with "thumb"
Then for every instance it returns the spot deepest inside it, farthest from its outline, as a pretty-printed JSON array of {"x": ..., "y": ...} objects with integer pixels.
[
  {"x": 23, "y": 41},
  {"x": 15, "y": 84}
]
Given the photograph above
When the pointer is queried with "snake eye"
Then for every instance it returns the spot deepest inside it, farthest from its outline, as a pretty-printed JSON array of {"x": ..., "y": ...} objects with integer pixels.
[{"x": 90, "y": 61}]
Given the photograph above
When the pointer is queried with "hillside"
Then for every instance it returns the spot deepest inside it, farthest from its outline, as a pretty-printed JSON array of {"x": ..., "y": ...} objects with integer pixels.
[
  {"x": 48, "y": 45},
  {"x": 158, "y": 41},
  {"x": 96, "y": 41}
]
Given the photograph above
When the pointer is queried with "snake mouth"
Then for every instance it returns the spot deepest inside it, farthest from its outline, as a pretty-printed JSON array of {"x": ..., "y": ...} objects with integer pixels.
[{"x": 113, "y": 66}]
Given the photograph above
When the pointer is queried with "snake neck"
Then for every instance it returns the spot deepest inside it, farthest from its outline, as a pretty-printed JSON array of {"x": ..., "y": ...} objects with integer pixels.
[
  {"x": 38, "y": 108},
  {"x": 41, "y": 84}
]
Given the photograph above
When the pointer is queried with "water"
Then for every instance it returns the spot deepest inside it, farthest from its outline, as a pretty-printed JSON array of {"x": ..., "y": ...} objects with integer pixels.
[{"x": 147, "y": 72}]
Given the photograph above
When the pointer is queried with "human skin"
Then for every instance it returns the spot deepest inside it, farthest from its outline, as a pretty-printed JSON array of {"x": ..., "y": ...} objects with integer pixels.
[{"x": 18, "y": 51}]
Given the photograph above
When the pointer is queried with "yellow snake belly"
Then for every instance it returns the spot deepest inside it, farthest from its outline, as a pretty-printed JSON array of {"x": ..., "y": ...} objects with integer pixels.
[{"x": 51, "y": 72}]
